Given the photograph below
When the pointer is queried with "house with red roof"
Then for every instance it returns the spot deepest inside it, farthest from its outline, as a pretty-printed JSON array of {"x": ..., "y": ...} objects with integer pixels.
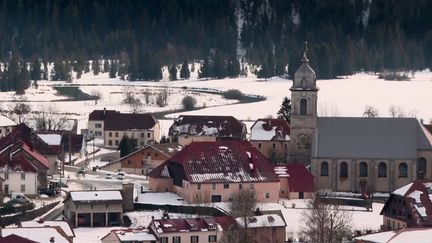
[
  {"x": 272, "y": 138},
  {"x": 111, "y": 126},
  {"x": 214, "y": 171},
  {"x": 263, "y": 228},
  {"x": 23, "y": 169},
  {"x": 187, "y": 129},
  {"x": 409, "y": 206},
  {"x": 15, "y": 239},
  {"x": 46, "y": 145},
  {"x": 296, "y": 181},
  {"x": 143, "y": 160}
]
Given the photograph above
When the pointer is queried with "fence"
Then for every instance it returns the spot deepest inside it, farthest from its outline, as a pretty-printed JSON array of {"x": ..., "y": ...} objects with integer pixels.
[{"x": 26, "y": 215}]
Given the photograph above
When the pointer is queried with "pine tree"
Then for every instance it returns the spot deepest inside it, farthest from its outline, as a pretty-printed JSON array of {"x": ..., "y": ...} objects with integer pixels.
[
  {"x": 233, "y": 68},
  {"x": 45, "y": 70},
  {"x": 35, "y": 69},
  {"x": 123, "y": 65},
  {"x": 205, "y": 70},
  {"x": 106, "y": 66},
  {"x": 57, "y": 73},
  {"x": 13, "y": 75},
  {"x": 96, "y": 66},
  {"x": 23, "y": 80},
  {"x": 264, "y": 72},
  {"x": 285, "y": 110},
  {"x": 218, "y": 69},
  {"x": 86, "y": 66},
  {"x": 125, "y": 146},
  {"x": 172, "y": 72},
  {"x": 113, "y": 69},
  {"x": 68, "y": 72},
  {"x": 184, "y": 71}
]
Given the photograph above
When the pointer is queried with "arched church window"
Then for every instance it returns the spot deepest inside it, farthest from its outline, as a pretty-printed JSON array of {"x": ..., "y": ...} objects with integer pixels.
[
  {"x": 303, "y": 107},
  {"x": 403, "y": 170},
  {"x": 324, "y": 168},
  {"x": 382, "y": 169},
  {"x": 363, "y": 167},
  {"x": 421, "y": 168},
  {"x": 343, "y": 170}
]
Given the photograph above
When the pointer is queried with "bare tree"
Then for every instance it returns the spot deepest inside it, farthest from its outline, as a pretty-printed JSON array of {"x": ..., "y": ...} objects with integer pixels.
[
  {"x": 147, "y": 95},
  {"x": 370, "y": 111},
  {"x": 243, "y": 206},
  {"x": 324, "y": 223},
  {"x": 97, "y": 95},
  {"x": 48, "y": 117},
  {"x": 393, "y": 111},
  {"x": 131, "y": 100},
  {"x": 21, "y": 109}
]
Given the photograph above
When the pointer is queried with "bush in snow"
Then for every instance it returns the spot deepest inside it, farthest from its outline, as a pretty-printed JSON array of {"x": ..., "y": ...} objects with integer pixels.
[
  {"x": 189, "y": 102},
  {"x": 233, "y": 94}
]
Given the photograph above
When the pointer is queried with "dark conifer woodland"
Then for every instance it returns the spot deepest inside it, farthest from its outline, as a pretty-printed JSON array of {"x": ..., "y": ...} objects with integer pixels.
[{"x": 139, "y": 37}]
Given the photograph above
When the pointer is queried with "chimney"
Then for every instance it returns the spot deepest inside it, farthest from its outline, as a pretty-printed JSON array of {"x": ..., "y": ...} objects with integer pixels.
[{"x": 128, "y": 196}]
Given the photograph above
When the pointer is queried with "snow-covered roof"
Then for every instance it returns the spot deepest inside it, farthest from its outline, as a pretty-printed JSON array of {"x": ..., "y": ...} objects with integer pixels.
[
  {"x": 6, "y": 122},
  {"x": 403, "y": 190},
  {"x": 270, "y": 130},
  {"x": 96, "y": 196},
  {"x": 134, "y": 235},
  {"x": 404, "y": 235},
  {"x": 42, "y": 234},
  {"x": 160, "y": 198},
  {"x": 51, "y": 139},
  {"x": 62, "y": 224},
  {"x": 219, "y": 126},
  {"x": 221, "y": 161},
  {"x": 267, "y": 220}
]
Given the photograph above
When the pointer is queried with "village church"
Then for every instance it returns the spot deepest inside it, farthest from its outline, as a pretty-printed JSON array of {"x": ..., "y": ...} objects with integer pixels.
[{"x": 357, "y": 154}]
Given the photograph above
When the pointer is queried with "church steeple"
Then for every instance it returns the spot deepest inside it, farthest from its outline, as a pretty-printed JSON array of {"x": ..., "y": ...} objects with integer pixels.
[
  {"x": 304, "y": 77},
  {"x": 304, "y": 95},
  {"x": 305, "y": 50}
]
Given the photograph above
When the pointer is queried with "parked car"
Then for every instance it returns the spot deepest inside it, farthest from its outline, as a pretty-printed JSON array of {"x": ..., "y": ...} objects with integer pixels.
[
  {"x": 51, "y": 192},
  {"x": 108, "y": 176},
  {"x": 121, "y": 175},
  {"x": 18, "y": 197}
]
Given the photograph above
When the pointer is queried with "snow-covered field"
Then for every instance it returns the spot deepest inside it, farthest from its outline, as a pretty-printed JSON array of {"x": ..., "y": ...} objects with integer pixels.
[{"x": 337, "y": 97}]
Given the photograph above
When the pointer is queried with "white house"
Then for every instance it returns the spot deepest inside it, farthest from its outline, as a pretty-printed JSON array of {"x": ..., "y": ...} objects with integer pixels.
[
  {"x": 6, "y": 125},
  {"x": 23, "y": 169}
]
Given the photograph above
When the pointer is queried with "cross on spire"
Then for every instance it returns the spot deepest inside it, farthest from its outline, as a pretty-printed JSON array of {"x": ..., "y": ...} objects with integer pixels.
[{"x": 304, "y": 58}]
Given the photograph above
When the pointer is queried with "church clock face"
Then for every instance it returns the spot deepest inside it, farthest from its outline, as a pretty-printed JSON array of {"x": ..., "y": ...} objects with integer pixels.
[{"x": 302, "y": 141}]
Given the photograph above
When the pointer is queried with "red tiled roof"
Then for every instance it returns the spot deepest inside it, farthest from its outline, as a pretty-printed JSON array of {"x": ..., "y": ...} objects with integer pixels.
[
  {"x": 116, "y": 121},
  {"x": 15, "y": 239},
  {"x": 226, "y": 222},
  {"x": 19, "y": 160},
  {"x": 221, "y": 161},
  {"x": 100, "y": 115},
  {"x": 23, "y": 133},
  {"x": 191, "y": 224},
  {"x": 20, "y": 132},
  {"x": 280, "y": 126},
  {"x": 300, "y": 179},
  {"x": 218, "y": 126},
  {"x": 36, "y": 155}
]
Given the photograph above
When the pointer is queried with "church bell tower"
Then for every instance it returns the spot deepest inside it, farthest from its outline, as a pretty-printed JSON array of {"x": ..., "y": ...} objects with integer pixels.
[{"x": 304, "y": 95}]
